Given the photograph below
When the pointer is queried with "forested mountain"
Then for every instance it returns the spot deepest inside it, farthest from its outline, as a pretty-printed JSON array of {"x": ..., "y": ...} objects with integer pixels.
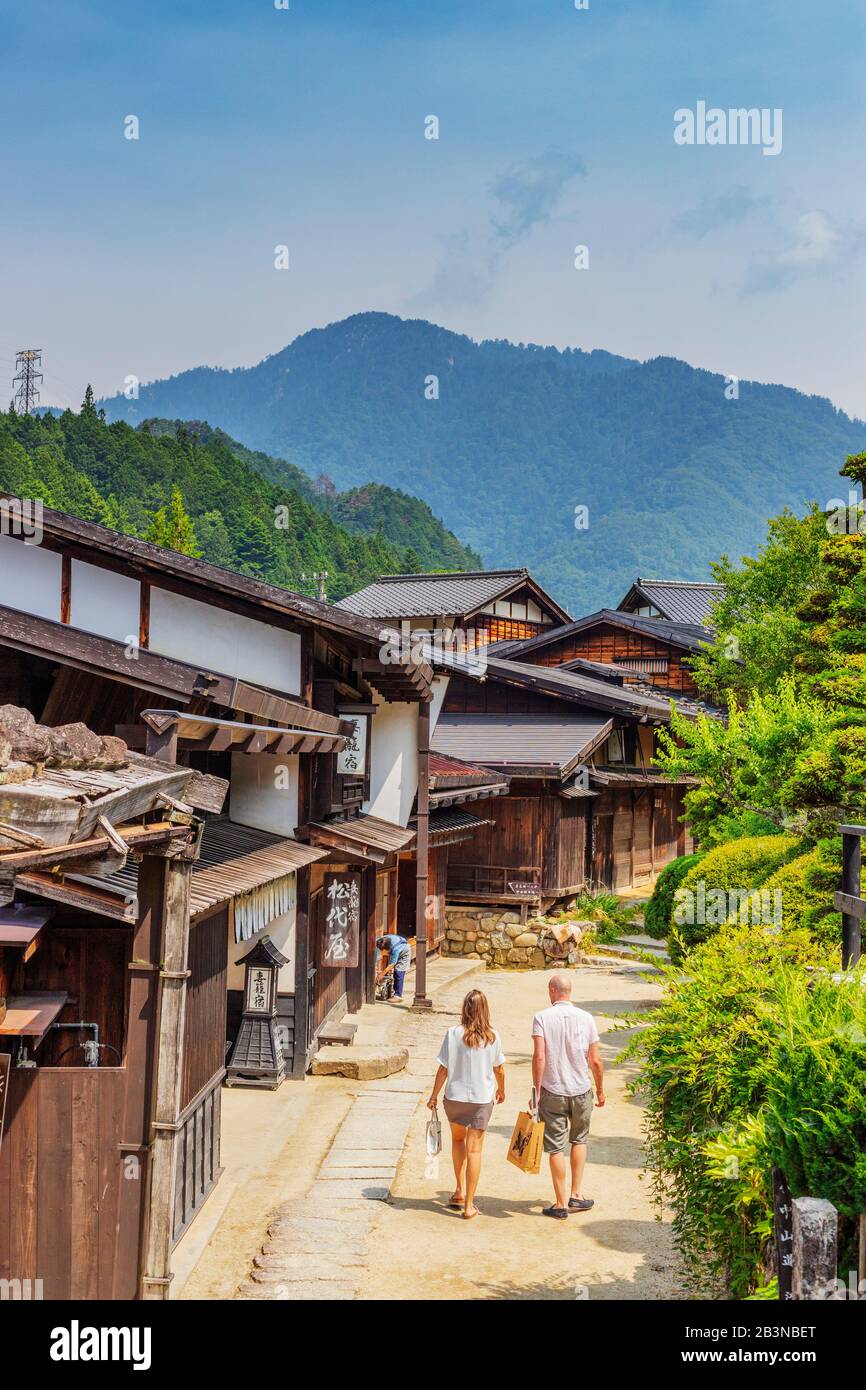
[
  {"x": 672, "y": 472},
  {"x": 192, "y": 487}
]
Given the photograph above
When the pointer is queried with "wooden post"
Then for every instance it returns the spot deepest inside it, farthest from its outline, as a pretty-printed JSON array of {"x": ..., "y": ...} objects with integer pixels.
[
  {"x": 851, "y": 866},
  {"x": 174, "y": 882},
  {"x": 302, "y": 984},
  {"x": 422, "y": 841},
  {"x": 815, "y": 1231}
]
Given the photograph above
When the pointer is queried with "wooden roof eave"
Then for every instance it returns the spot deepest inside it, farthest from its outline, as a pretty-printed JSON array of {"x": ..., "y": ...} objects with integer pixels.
[
  {"x": 195, "y": 731},
  {"x": 156, "y": 562},
  {"x": 522, "y": 582},
  {"x": 101, "y": 656}
]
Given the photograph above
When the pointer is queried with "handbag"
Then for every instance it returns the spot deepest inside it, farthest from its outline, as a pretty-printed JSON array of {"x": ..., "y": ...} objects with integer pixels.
[
  {"x": 525, "y": 1148},
  {"x": 434, "y": 1134}
]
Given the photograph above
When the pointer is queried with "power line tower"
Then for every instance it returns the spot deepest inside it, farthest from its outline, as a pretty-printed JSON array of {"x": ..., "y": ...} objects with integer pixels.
[{"x": 27, "y": 375}]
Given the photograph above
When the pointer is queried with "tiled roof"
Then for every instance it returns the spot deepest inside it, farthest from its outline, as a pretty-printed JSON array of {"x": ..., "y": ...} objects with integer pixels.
[
  {"x": 510, "y": 741},
  {"x": 678, "y": 600},
  {"x": 437, "y": 595},
  {"x": 690, "y": 636}
]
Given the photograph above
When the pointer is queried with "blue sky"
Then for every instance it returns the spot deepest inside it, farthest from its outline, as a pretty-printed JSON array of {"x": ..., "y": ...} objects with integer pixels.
[{"x": 260, "y": 127}]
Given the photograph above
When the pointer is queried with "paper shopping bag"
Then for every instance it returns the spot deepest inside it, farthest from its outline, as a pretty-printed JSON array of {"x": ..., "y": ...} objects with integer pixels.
[{"x": 524, "y": 1151}]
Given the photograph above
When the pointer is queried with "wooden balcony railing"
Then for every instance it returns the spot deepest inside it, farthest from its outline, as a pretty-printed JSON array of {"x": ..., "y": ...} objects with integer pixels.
[{"x": 494, "y": 881}]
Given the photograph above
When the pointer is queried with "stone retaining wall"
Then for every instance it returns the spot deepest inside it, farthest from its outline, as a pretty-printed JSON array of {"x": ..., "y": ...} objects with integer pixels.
[{"x": 499, "y": 938}]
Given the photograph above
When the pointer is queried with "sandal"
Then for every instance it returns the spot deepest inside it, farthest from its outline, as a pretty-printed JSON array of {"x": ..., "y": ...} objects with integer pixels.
[
  {"x": 456, "y": 1203},
  {"x": 469, "y": 1215}
]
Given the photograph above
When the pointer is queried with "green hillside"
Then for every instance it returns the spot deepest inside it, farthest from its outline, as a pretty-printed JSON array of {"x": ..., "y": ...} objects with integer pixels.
[
  {"x": 673, "y": 473},
  {"x": 284, "y": 531}
]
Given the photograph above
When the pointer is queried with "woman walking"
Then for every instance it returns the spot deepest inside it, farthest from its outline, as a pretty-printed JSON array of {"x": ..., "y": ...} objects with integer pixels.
[{"x": 472, "y": 1070}]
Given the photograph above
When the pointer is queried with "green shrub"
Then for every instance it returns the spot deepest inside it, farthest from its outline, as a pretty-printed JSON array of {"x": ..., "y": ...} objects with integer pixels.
[
  {"x": 658, "y": 912},
  {"x": 738, "y": 866},
  {"x": 807, "y": 884},
  {"x": 709, "y": 1060}
]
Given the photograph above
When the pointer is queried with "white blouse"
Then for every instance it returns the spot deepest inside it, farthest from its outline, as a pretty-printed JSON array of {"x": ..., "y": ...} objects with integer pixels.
[{"x": 470, "y": 1069}]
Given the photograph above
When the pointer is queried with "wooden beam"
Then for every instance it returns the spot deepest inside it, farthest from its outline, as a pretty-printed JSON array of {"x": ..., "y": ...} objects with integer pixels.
[
  {"x": 136, "y": 837},
  {"x": 174, "y": 884},
  {"x": 71, "y": 646},
  {"x": 422, "y": 843},
  {"x": 66, "y": 589},
  {"x": 144, "y": 615}
]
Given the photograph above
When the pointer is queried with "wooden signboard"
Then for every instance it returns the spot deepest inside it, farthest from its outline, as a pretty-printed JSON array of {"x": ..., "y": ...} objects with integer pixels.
[
  {"x": 523, "y": 889},
  {"x": 783, "y": 1217},
  {"x": 342, "y": 929},
  {"x": 5, "y": 1065}
]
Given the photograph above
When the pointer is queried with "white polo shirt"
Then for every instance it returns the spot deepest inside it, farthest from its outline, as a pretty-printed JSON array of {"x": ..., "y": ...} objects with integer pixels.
[{"x": 568, "y": 1033}]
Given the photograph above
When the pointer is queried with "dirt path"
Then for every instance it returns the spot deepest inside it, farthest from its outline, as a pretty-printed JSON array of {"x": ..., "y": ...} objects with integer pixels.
[{"x": 418, "y": 1249}]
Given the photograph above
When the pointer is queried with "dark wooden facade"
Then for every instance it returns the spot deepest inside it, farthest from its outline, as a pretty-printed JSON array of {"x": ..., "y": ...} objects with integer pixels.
[
  {"x": 651, "y": 660},
  {"x": 75, "y": 1161}
]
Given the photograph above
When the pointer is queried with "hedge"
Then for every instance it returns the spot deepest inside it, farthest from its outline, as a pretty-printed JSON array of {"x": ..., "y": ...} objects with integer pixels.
[
  {"x": 738, "y": 866},
  {"x": 658, "y": 913},
  {"x": 807, "y": 884}
]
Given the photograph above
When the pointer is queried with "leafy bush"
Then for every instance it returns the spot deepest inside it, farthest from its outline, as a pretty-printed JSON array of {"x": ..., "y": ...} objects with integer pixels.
[
  {"x": 807, "y": 884},
  {"x": 658, "y": 912},
  {"x": 709, "y": 1060},
  {"x": 738, "y": 866}
]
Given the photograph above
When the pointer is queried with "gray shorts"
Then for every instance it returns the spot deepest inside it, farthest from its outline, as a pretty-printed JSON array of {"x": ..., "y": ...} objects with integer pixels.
[{"x": 566, "y": 1120}]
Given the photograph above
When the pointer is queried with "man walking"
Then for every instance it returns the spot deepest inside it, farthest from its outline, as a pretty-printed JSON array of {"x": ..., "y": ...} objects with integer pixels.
[{"x": 565, "y": 1051}]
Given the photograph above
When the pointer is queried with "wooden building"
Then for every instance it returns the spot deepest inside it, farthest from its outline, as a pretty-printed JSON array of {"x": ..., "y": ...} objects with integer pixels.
[
  {"x": 673, "y": 600},
  {"x": 584, "y": 805},
  {"x": 641, "y": 651},
  {"x": 454, "y": 786},
  {"x": 108, "y": 1059},
  {"x": 283, "y": 697},
  {"x": 488, "y": 606}
]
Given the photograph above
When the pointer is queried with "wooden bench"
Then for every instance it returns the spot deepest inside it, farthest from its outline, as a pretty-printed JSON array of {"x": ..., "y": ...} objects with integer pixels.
[{"x": 337, "y": 1034}]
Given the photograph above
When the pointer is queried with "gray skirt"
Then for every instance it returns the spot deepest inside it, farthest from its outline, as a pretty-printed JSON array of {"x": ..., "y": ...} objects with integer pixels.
[{"x": 469, "y": 1113}]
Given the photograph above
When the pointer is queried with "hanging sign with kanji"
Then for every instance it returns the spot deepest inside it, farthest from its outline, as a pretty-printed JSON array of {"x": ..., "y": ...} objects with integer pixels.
[
  {"x": 342, "y": 927},
  {"x": 352, "y": 760}
]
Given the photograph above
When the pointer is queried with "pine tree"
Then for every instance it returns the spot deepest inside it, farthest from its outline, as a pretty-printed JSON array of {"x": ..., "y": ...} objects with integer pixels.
[{"x": 173, "y": 528}]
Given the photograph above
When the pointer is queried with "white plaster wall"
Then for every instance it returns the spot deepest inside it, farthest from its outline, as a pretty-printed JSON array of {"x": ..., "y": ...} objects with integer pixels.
[
  {"x": 282, "y": 932},
  {"x": 393, "y": 762},
  {"x": 225, "y": 642},
  {"x": 30, "y": 578},
  {"x": 105, "y": 602},
  {"x": 440, "y": 690},
  {"x": 264, "y": 792}
]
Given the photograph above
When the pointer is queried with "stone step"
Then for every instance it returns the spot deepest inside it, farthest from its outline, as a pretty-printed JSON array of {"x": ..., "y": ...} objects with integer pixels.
[{"x": 360, "y": 1063}]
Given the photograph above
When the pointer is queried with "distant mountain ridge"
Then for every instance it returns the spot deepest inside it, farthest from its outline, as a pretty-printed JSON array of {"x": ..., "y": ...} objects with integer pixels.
[{"x": 505, "y": 441}]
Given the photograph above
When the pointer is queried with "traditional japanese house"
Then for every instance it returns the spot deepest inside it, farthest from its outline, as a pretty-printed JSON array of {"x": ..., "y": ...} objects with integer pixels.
[
  {"x": 283, "y": 697},
  {"x": 109, "y": 1067},
  {"x": 489, "y": 606},
  {"x": 636, "y": 649},
  {"x": 584, "y": 804},
  {"x": 455, "y": 786},
  {"x": 673, "y": 600}
]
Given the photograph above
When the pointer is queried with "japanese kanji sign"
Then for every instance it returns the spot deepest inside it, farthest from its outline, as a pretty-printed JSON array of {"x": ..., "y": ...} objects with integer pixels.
[
  {"x": 352, "y": 760},
  {"x": 782, "y": 1222},
  {"x": 342, "y": 927},
  {"x": 259, "y": 990}
]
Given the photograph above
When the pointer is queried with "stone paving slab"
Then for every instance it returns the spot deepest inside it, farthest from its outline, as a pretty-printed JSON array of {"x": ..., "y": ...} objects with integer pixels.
[{"x": 317, "y": 1246}]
